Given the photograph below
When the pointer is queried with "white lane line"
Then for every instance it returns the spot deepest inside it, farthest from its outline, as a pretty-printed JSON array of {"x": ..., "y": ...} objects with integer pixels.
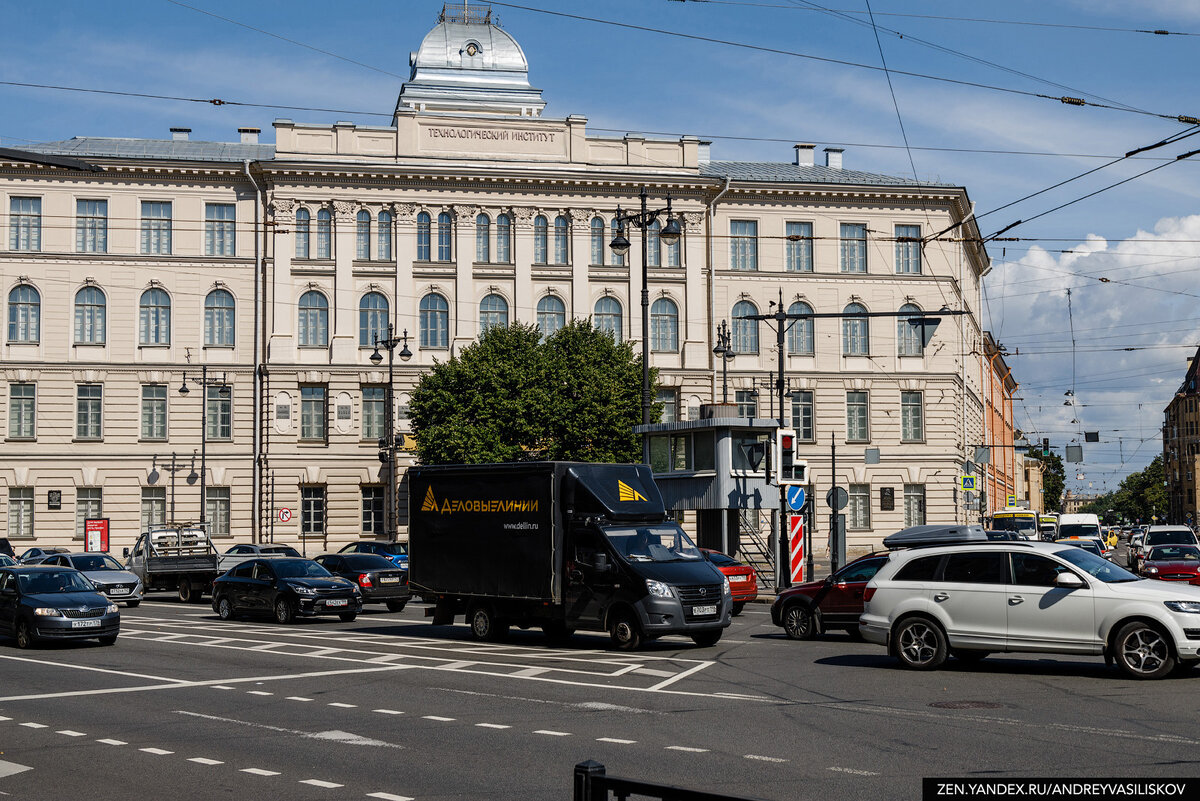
[
  {"x": 70, "y": 733},
  {"x": 615, "y": 740},
  {"x": 456, "y": 665},
  {"x": 223, "y": 687},
  {"x": 298, "y": 698},
  {"x": 335, "y": 734},
  {"x": 693, "y": 669},
  {"x": 530, "y": 672},
  {"x": 258, "y": 692},
  {"x": 437, "y": 718},
  {"x": 492, "y": 726},
  {"x": 764, "y": 758},
  {"x": 645, "y": 671},
  {"x": 553, "y": 733},
  {"x": 11, "y": 769},
  {"x": 340, "y": 705},
  {"x": 388, "y": 711},
  {"x": 687, "y": 748},
  {"x": 4, "y": 718},
  {"x": 205, "y": 761},
  {"x": 854, "y": 772},
  {"x": 107, "y": 741},
  {"x": 389, "y": 797},
  {"x": 319, "y": 783},
  {"x": 156, "y": 751},
  {"x": 35, "y": 725},
  {"x": 260, "y": 772}
]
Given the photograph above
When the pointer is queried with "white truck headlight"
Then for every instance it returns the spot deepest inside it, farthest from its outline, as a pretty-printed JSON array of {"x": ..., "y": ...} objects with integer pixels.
[
  {"x": 1183, "y": 606},
  {"x": 658, "y": 589}
]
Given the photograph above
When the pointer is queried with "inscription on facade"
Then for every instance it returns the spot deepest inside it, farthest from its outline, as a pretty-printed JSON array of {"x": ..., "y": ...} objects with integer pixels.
[{"x": 490, "y": 134}]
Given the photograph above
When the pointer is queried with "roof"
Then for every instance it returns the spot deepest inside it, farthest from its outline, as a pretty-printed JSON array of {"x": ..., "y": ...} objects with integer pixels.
[
  {"x": 170, "y": 149},
  {"x": 783, "y": 172}
]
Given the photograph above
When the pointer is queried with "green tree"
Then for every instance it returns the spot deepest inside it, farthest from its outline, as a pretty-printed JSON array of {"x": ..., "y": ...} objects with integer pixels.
[
  {"x": 1140, "y": 496},
  {"x": 513, "y": 396},
  {"x": 1053, "y": 478}
]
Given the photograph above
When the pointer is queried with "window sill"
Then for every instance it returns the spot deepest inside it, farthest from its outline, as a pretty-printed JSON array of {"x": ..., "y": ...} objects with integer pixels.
[
  {"x": 88, "y": 439},
  {"x": 155, "y": 346},
  {"x": 89, "y": 344},
  {"x": 218, "y": 347},
  {"x": 21, "y": 439},
  {"x": 313, "y": 443},
  {"x": 155, "y": 439},
  {"x": 19, "y": 342}
]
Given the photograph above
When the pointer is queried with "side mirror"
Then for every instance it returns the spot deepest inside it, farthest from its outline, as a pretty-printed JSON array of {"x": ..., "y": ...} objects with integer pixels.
[
  {"x": 1068, "y": 580},
  {"x": 828, "y": 580}
]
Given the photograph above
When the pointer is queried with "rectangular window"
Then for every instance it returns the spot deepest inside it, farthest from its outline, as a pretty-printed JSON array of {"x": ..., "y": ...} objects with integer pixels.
[
  {"x": 25, "y": 223},
  {"x": 802, "y": 414},
  {"x": 313, "y": 413},
  {"x": 91, "y": 226},
  {"x": 216, "y": 510},
  {"x": 20, "y": 513},
  {"x": 89, "y": 504},
  {"x": 854, "y": 248},
  {"x": 312, "y": 511},
  {"x": 156, "y": 227},
  {"x": 89, "y": 399},
  {"x": 912, "y": 417},
  {"x": 914, "y": 505},
  {"x": 219, "y": 222},
  {"x": 669, "y": 398},
  {"x": 856, "y": 417},
  {"x": 372, "y": 511},
  {"x": 374, "y": 412},
  {"x": 743, "y": 245},
  {"x": 747, "y": 401},
  {"x": 858, "y": 511},
  {"x": 22, "y": 411},
  {"x": 154, "y": 411},
  {"x": 799, "y": 247},
  {"x": 154, "y": 507},
  {"x": 908, "y": 249},
  {"x": 218, "y": 412}
]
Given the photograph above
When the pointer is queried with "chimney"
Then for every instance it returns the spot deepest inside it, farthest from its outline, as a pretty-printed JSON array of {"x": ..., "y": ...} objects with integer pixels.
[
  {"x": 804, "y": 155},
  {"x": 180, "y": 134},
  {"x": 704, "y": 152},
  {"x": 833, "y": 157},
  {"x": 249, "y": 135}
]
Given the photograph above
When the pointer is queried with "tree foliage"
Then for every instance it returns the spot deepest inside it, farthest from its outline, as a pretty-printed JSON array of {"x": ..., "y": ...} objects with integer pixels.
[
  {"x": 512, "y": 396},
  {"x": 1053, "y": 478},
  {"x": 1140, "y": 496}
]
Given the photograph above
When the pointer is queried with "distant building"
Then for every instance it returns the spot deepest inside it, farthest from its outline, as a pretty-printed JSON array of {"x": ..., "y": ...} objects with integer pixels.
[
  {"x": 1181, "y": 447},
  {"x": 1074, "y": 501},
  {"x": 1001, "y": 475}
]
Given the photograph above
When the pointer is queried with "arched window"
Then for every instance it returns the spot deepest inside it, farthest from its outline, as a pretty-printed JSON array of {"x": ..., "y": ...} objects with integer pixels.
[
  {"x": 24, "y": 314},
  {"x": 540, "y": 235},
  {"x": 504, "y": 239},
  {"x": 493, "y": 311},
  {"x": 664, "y": 326},
  {"x": 435, "y": 321},
  {"x": 618, "y": 259},
  {"x": 314, "y": 320},
  {"x": 89, "y": 316},
  {"x": 154, "y": 316},
  {"x": 362, "y": 236},
  {"x": 384, "y": 250},
  {"x": 423, "y": 236},
  {"x": 745, "y": 332},
  {"x": 445, "y": 237},
  {"x": 607, "y": 314},
  {"x": 372, "y": 318},
  {"x": 654, "y": 244},
  {"x": 218, "y": 318},
  {"x": 303, "y": 229},
  {"x": 324, "y": 234},
  {"x": 562, "y": 240},
  {"x": 483, "y": 239},
  {"x": 800, "y": 340},
  {"x": 908, "y": 336},
  {"x": 856, "y": 331},
  {"x": 551, "y": 315},
  {"x": 598, "y": 242}
]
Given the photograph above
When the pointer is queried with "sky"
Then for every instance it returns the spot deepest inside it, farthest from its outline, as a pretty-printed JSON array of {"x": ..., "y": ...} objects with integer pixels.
[{"x": 756, "y": 77}]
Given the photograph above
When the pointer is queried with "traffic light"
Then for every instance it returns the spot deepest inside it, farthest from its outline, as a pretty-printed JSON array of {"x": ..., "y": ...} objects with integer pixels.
[
  {"x": 788, "y": 469},
  {"x": 384, "y": 456},
  {"x": 1045, "y": 446}
]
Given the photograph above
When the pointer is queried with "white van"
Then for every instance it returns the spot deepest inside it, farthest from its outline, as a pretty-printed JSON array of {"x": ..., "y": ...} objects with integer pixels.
[{"x": 1079, "y": 526}]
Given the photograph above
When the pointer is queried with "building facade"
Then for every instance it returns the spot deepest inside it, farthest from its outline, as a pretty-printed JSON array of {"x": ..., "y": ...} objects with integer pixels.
[
  {"x": 268, "y": 270},
  {"x": 1003, "y": 472},
  {"x": 1181, "y": 448}
]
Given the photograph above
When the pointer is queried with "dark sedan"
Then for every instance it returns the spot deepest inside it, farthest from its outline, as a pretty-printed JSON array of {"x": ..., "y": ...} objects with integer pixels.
[
  {"x": 378, "y": 579},
  {"x": 54, "y": 603},
  {"x": 806, "y": 610},
  {"x": 285, "y": 588}
]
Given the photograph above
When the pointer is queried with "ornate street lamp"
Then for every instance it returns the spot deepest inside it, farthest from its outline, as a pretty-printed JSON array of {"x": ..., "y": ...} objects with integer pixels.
[
  {"x": 724, "y": 350},
  {"x": 205, "y": 382},
  {"x": 387, "y": 445}
]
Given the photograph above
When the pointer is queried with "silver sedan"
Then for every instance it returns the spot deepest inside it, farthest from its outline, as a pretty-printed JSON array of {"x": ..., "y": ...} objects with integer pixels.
[{"x": 111, "y": 578}]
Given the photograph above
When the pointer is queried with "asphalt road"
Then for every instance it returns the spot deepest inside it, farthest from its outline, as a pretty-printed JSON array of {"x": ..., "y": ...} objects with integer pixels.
[{"x": 186, "y": 706}]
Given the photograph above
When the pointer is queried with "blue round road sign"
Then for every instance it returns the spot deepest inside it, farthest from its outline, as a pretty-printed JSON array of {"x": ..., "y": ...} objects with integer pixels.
[{"x": 795, "y": 498}]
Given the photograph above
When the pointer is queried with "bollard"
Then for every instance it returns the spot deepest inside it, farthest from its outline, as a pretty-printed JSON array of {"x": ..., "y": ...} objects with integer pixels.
[{"x": 585, "y": 773}]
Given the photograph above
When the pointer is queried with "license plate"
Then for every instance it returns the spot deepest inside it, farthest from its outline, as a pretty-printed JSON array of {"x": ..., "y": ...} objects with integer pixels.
[
  {"x": 85, "y": 624},
  {"x": 704, "y": 610},
  {"x": 119, "y": 590},
  {"x": 337, "y": 602},
  {"x": 392, "y": 580},
  {"x": 739, "y": 578}
]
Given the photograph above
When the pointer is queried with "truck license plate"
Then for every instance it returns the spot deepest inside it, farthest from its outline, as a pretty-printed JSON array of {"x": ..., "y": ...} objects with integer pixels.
[
  {"x": 390, "y": 580},
  {"x": 85, "y": 624},
  {"x": 337, "y": 602},
  {"x": 704, "y": 610}
]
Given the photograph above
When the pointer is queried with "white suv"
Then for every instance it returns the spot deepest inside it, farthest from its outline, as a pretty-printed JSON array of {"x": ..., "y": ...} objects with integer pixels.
[{"x": 972, "y": 599}]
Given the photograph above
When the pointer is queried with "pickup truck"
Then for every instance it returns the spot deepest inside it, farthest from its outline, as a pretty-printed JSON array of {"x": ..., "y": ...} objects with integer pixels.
[{"x": 178, "y": 558}]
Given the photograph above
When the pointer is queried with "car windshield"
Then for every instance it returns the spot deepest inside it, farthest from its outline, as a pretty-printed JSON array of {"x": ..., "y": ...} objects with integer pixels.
[
  {"x": 1078, "y": 530},
  {"x": 300, "y": 569},
  {"x": 6, "y": 560},
  {"x": 394, "y": 548},
  {"x": 653, "y": 544},
  {"x": 1014, "y": 523},
  {"x": 283, "y": 549},
  {"x": 721, "y": 560},
  {"x": 1170, "y": 537},
  {"x": 95, "y": 561},
  {"x": 1095, "y": 566},
  {"x": 1175, "y": 553},
  {"x": 52, "y": 581},
  {"x": 368, "y": 561}
]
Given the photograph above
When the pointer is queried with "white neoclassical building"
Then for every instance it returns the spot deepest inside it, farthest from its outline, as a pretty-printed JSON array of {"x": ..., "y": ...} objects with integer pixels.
[{"x": 268, "y": 269}]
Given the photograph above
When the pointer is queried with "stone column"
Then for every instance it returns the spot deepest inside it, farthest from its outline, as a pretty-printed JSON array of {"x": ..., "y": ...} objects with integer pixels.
[
  {"x": 344, "y": 342},
  {"x": 281, "y": 300},
  {"x": 581, "y": 293},
  {"x": 404, "y": 315},
  {"x": 464, "y": 322},
  {"x": 695, "y": 328},
  {"x": 524, "y": 303}
]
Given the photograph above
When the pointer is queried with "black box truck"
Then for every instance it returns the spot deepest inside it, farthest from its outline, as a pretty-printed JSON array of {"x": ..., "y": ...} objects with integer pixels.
[{"x": 561, "y": 546}]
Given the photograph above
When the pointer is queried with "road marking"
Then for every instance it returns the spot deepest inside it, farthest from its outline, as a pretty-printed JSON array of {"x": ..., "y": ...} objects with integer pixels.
[
  {"x": 298, "y": 698},
  {"x": 12, "y": 768},
  {"x": 319, "y": 783},
  {"x": 340, "y": 705},
  {"x": 388, "y": 711},
  {"x": 35, "y": 725},
  {"x": 156, "y": 751},
  {"x": 687, "y": 748},
  {"x": 4, "y": 718},
  {"x": 438, "y": 718},
  {"x": 645, "y": 671},
  {"x": 764, "y": 758},
  {"x": 70, "y": 733},
  {"x": 690, "y": 671},
  {"x": 492, "y": 726},
  {"x": 553, "y": 733},
  {"x": 390, "y": 797},
  {"x": 112, "y": 742},
  {"x": 258, "y": 692},
  {"x": 260, "y": 772},
  {"x": 615, "y": 740},
  {"x": 85, "y": 667},
  {"x": 854, "y": 772},
  {"x": 223, "y": 687},
  {"x": 335, "y": 735},
  {"x": 205, "y": 761}
]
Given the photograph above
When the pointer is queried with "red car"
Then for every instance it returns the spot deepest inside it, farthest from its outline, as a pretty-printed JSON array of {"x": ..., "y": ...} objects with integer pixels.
[
  {"x": 1171, "y": 563},
  {"x": 743, "y": 581},
  {"x": 815, "y": 607}
]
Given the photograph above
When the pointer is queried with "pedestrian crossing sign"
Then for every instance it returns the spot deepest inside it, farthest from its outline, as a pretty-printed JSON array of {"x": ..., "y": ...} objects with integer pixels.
[{"x": 968, "y": 483}]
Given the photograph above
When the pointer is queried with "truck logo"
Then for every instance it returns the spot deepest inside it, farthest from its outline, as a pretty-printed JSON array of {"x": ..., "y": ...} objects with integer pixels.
[
  {"x": 628, "y": 493},
  {"x": 451, "y": 505},
  {"x": 429, "y": 504}
]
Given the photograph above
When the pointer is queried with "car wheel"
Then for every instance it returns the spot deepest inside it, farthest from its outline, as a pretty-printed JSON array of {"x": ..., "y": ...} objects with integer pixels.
[
  {"x": 134, "y": 603},
  {"x": 485, "y": 627},
  {"x": 919, "y": 644},
  {"x": 799, "y": 622},
  {"x": 737, "y": 608},
  {"x": 25, "y": 635},
  {"x": 707, "y": 639},
  {"x": 395, "y": 606},
  {"x": 625, "y": 632},
  {"x": 285, "y": 610},
  {"x": 1143, "y": 651},
  {"x": 347, "y": 617},
  {"x": 224, "y": 609},
  {"x": 189, "y": 593},
  {"x": 108, "y": 639}
]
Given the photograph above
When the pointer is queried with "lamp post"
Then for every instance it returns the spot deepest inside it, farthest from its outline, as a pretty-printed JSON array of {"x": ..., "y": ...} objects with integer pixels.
[
  {"x": 387, "y": 445},
  {"x": 724, "y": 349},
  {"x": 205, "y": 382},
  {"x": 670, "y": 234}
]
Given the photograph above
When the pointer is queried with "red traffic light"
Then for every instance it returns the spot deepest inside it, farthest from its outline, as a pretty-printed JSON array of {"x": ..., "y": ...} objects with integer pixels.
[{"x": 787, "y": 442}]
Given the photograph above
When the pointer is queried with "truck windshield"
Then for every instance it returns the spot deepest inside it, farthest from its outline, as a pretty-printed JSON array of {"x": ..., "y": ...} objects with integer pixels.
[
  {"x": 653, "y": 544},
  {"x": 1024, "y": 525}
]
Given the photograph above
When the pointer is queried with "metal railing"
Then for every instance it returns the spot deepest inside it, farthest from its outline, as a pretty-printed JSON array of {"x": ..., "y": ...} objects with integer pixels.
[{"x": 593, "y": 784}]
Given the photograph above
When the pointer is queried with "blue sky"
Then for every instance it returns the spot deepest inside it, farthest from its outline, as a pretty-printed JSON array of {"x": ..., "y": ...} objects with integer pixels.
[{"x": 1142, "y": 236}]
